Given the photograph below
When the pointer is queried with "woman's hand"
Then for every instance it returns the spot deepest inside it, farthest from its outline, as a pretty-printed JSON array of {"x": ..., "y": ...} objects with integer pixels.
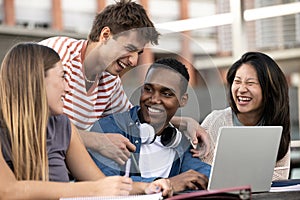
[
  {"x": 112, "y": 186},
  {"x": 199, "y": 137}
]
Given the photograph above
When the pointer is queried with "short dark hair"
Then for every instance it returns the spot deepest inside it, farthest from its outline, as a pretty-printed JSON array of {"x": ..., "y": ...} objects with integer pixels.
[
  {"x": 276, "y": 110},
  {"x": 174, "y": 64},
  {"x": 123, "y": 16}
]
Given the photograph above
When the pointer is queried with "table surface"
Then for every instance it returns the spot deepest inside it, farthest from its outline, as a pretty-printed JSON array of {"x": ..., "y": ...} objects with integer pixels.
[{"x": 291, "y": 195}]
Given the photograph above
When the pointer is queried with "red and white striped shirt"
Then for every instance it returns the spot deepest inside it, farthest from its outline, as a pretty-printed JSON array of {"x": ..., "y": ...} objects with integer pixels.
[{"x": 82, "y": 108}]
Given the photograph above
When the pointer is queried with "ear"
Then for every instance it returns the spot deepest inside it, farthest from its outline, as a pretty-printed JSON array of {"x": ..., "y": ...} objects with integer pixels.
[
  {"x": 184, "y": 99},
  {"x": 105, "y": 34}
]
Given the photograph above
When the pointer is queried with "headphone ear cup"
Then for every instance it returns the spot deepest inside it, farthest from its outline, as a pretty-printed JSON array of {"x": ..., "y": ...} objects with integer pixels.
[
  {"x": 170, "y": 137},
  {"x": 147, "y": 133}
]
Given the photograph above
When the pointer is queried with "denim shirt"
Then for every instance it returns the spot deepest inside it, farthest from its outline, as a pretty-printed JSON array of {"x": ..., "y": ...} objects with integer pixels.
[{"x": 127, "y": 124}]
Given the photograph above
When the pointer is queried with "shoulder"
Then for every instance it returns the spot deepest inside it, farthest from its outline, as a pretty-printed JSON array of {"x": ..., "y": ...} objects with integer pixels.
[
  {"x": 59, "y": 119},
  {"x": 52, "y": 41},
  {"x": 63, "y": 45},
  {"x": 59, "y": 123},
  {"x": 218, "y": 116},
  {"x": 58, "y": 132},
  {"x": 129, "y": 115},
  {"x": 125, "y": 123},
  {"x": 222, "y": 113}
]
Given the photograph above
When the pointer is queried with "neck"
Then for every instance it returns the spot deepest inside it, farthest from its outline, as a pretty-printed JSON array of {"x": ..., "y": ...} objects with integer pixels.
[
  {"x": 158, "y": 128},
  {"x": 89, "y": 47},
  {"x": 249, "y": 119},
  {"x": 93, "y": 62}
]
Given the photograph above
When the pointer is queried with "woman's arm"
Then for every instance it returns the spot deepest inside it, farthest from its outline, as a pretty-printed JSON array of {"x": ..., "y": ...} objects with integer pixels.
[
  {"x": 96, "y": 183},
  {"x": 10, "y": 188},
  {"x": 192, "y": 130},
  {"x": 282, "y": 168},
  {"x": 78, "y": 160},
  {"x": 83, "y": 168}
]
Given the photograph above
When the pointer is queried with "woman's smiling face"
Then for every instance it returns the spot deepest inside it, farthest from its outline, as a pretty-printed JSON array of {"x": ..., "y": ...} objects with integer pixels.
[
  {"x": 246, "y": 90},
  {"x": 56, "y": 88}
]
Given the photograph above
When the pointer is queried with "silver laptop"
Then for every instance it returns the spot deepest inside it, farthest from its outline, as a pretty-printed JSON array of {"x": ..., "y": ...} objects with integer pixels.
[{"x": 245, "y": 155}]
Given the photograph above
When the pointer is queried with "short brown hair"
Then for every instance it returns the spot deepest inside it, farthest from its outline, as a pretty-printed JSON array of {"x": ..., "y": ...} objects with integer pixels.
[{"x": 122, "y": 16}]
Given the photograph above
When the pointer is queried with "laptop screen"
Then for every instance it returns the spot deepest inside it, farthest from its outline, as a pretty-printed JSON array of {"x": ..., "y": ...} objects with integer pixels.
[{"x": 245, "y": 155}]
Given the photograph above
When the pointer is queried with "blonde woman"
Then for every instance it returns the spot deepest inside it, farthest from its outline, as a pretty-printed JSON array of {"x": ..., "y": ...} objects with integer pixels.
[{"x": 39, "y": 145}]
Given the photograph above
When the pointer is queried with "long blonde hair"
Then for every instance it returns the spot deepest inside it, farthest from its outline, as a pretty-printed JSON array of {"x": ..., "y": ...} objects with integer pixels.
[{"x": 24, "y": 107}]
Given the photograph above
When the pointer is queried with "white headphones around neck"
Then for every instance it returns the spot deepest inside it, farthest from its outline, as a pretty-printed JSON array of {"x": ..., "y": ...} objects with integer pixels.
[{"x": 170, "y": 136}]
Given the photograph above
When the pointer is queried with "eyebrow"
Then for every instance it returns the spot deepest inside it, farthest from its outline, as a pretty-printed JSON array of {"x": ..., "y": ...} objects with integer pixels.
[
  {"x": 247, "y": 79},
  {"x": 162, "y": 89}
]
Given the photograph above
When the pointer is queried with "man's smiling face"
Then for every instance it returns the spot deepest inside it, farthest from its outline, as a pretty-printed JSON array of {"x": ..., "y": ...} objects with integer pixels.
[
  {"x": 124, "y": 51},
  {"x": 160, "y": 96}
]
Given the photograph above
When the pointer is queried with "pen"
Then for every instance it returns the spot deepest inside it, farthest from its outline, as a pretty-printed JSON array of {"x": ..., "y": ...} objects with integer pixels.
[
  {"x": 127, "y": 168},
  {"x": 130, "y": 161}
]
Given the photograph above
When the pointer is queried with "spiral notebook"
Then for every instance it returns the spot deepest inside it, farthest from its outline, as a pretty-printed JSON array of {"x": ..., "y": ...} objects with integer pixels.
[
  {"x": 234, "y": 193},
  {"x": 157, "y": 196}
]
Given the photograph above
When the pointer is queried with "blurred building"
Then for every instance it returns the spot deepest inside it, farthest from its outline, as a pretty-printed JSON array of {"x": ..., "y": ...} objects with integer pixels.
[{"x": 208, "y": 35}]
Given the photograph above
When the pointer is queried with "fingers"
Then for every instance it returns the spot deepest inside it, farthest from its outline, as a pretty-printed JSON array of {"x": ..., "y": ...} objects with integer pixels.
[
  {"x": 189, "y": 180},
  {"x": 152, "y": 188},
  {"x": 125, "y": 151},
  {"x": 195, "y": 153},
  {"x": 126, "y": 185},
  {"x": 126, "y": 180},
  {"x": 197, "y": 184},
  {"x": 120, "y": 161},
  {"x": 124, "y": 155},
  {"x": 200, "y": 183},
  {"x": 115, "y": 185},
  {"x": 163, "y": 185},
  {"x": 117, "y": 148},
  {"x": 206, "y": 140},
  {"x": 166, "y": 187},
  {"x": 119, "y": 156},
  {"x": 195, "y": 140},
  {"x": 127, "y": 147},
  {"x": 131, "y": 147},
  {"x": 123, "y": 148}
]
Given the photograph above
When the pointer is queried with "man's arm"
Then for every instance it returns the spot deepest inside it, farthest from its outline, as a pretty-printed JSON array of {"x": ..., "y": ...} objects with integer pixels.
[
  {"x": 113, "y": 146},
  {"x": 193, "y": 174},
  {"x": 194, "y": 132}
]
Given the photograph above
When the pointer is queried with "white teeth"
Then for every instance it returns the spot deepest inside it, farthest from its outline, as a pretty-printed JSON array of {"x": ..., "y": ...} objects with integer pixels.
[
  {"x": 153, "y": 110},
  {"x": 244, "y": 98},
  {"x": 122, "y": 64}
]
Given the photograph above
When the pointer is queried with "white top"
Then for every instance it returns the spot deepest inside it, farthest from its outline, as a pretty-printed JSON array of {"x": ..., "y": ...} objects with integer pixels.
[{"x": 156, "y": 159}]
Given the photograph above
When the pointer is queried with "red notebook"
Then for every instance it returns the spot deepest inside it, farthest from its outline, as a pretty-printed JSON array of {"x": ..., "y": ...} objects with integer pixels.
[{"x": 243, "y": 192}]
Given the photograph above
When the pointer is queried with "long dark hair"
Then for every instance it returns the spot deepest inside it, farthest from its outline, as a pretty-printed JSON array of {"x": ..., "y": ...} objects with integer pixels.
[{"x": 276, "y": 110}]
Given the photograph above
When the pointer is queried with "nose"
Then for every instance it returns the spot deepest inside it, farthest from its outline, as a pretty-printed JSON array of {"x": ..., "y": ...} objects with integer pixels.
[
  {"x": 66, "y": 87},
  {"x": 155, "y": 98},
  {"x": 243, "y": 87},
  {"x": 133, "y": 59}
]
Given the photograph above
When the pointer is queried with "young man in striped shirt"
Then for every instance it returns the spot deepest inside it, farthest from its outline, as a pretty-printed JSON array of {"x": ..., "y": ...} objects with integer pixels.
[{"x": 118, "y": 35}]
